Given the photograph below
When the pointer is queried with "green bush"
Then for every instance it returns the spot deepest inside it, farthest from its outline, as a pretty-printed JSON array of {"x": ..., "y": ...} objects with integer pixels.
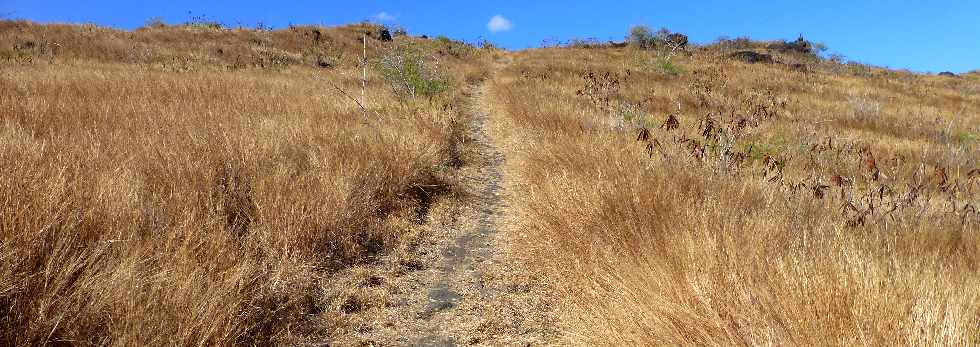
[
  {"x": 406, "y": 71},
  {"x": 631, "y": 115},
  {"x": 644, "y": 61},
  {"x": 668, "y": 67},
  {"x": 202, "y": 21},
  {"x": 446, "y": 46},
  {"x": 640, "y": 36}
]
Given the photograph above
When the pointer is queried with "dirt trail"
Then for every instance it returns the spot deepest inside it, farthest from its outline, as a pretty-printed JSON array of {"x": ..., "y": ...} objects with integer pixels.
[
  {"x": 460, "y": 281},
  {"x": 463, "y": 290}
]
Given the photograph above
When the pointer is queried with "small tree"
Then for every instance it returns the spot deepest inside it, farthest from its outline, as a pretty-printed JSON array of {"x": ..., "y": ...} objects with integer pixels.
[
  {"x": 665, "y": 42},
  {"x": 669, "y": 43},
  {"x": 640, "y": 36},
  {"x": 661, "y": 37},
  {"x": 801, "y": 46}
]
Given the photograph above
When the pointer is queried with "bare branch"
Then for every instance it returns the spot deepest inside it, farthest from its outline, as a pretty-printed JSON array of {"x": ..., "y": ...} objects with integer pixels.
[{"x": 351, "y": 97}]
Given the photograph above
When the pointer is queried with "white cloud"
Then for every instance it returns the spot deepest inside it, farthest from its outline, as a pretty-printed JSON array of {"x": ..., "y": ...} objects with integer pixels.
[
  {"x": 384, "y": 17},
  {"x": 499, "y": 23}
]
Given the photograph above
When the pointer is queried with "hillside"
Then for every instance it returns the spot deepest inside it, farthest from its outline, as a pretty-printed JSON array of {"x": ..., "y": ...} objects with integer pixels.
[
  {"x": 726, "y": 203},
  {"x": 189, "y": 184},
  {"x": 193, "y": 184}
]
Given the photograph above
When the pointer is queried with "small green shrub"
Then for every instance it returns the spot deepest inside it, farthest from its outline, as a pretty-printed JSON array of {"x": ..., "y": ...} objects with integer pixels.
[
  {"x": 640, "y": 36},
  {"x": 630, "y": 115},
  {"x": 447, "y": 46},
  {"x": 965, "y": 137},
  {"x": 773, "y": 146},
  {"x": 443, "y": 40},
  {"x": 583, "y": 43},
  {"x": 202, "y": 21},
  {"x": 668, "y": 67},
  {"x": 799, "y": 46},
  {"x": 643, "y": 61},
  {"x": 408, "y": 74}
]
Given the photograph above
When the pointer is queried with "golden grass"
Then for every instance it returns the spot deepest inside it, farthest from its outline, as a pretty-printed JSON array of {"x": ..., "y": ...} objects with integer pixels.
[
  {"x": 187, "y": 185},
  {"x": 147, "y": 205},
  {"x": 652, "y": 246}
]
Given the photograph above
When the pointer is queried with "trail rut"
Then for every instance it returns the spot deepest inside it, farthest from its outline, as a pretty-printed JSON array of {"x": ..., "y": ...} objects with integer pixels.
[
  {"x": 464, "y": 290},
  {"x": 460, "y": 282}
]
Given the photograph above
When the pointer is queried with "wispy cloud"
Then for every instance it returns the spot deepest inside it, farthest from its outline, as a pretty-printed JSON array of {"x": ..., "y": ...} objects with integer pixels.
[
  {"x": 384, "y": 17},
  {"x": 498, "y": 23}
]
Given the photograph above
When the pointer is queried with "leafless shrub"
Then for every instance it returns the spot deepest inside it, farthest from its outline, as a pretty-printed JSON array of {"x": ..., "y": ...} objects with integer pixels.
[{"x": 602, "y": 89}]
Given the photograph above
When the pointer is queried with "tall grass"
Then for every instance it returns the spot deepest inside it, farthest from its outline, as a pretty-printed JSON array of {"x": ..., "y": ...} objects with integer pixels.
[
  {"x": 678, "y": 239},
  {"x": 146, "y": 207}
]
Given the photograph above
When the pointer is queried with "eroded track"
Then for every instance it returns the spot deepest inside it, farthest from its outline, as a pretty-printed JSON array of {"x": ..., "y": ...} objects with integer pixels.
[{"x": 462, "y": 289}]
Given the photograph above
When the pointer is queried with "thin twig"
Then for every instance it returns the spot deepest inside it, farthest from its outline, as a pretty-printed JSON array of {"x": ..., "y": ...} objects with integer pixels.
[
  {"x": 344, "y": 93},
  {"x": 352, "y": 98},
  {"x": 364, "y": 63}
]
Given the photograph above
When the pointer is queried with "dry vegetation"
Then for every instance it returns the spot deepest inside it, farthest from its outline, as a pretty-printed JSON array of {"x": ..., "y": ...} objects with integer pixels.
[
  {"x": 713, "y": 202},
  {"x": 195, "y": 185}
]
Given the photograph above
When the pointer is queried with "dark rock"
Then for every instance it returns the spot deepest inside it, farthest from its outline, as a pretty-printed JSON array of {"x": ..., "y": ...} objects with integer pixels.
[
  {"x": 384, "y": 35},
  {"x": 752, "y": 57},
  {"x": 800, "y": 45},
  {"x": 948, "y": 74},
  {"x": 27, "y": 45},
  {"x": 677, "y": 39},
  {"x": 323, "y": 63},
  {"x": 352, "y": 305}
]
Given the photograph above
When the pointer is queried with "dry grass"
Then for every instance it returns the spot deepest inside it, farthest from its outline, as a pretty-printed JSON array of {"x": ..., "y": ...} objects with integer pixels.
[
  {"x": 797, "y": 218},
  {"x": 193, "y": 185},
  {"x": 157, "y": 190}
]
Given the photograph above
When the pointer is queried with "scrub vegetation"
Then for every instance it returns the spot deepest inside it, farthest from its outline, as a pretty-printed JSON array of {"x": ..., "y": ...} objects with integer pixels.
[
  {"x": 196, "y": 184},
  {"x": 796, "y": 201}
]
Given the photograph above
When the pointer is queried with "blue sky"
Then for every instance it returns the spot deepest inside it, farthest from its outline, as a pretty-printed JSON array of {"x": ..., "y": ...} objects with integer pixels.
[{"x": 939, "y": 36}]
